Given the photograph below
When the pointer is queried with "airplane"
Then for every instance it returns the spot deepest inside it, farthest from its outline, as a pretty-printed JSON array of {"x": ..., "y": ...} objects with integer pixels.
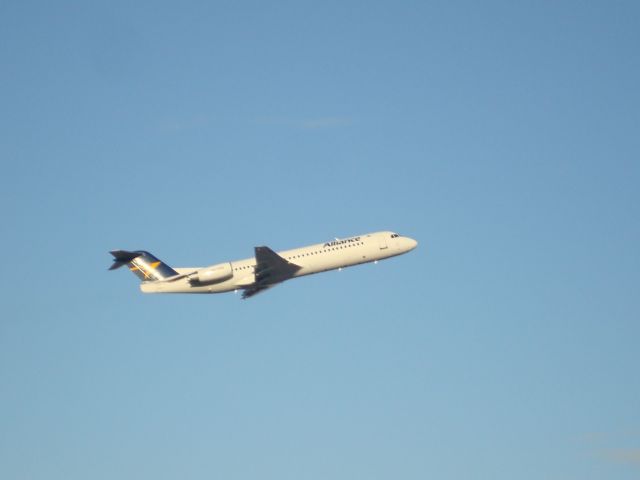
[{"x": 266, "y": 269}]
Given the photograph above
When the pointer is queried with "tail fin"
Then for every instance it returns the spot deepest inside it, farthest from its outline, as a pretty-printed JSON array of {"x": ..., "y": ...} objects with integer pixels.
[{"x": 143, "y": 264}]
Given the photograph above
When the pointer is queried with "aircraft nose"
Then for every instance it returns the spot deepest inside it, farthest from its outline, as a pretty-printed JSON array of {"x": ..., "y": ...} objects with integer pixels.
[{"x": 411, "y": 243}]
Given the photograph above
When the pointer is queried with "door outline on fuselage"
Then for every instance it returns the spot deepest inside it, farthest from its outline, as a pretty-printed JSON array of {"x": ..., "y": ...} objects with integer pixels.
[{"x": 382, "y": 242}]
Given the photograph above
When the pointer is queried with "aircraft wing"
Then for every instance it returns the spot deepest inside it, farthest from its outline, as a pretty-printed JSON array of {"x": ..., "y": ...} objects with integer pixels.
[
  {"x": 251, "y": 291},
  {"x": 270, "y": 269}
]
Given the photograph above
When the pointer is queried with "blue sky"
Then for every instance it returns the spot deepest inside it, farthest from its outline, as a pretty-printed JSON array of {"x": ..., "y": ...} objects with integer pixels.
[{"x": 504, "y": 136}]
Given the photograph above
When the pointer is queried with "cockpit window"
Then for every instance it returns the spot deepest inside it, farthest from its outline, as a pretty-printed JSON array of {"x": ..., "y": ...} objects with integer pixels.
[{"x": 394, "y": 235}]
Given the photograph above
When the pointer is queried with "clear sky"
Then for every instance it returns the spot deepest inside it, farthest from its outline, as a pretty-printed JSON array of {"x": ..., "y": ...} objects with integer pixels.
[{"x": 504, "y": 136}]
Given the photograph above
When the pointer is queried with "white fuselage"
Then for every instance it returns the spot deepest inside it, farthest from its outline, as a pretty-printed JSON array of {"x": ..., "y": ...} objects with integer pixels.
[{"x": 316, "y": 258}]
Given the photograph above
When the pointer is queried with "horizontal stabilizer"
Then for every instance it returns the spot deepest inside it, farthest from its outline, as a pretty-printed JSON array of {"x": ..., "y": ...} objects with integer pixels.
[{"x": 122, "y": 257}]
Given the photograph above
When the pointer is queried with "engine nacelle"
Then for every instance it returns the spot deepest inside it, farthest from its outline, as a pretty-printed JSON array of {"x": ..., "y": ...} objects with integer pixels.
[{"x": 213, "y": 274}]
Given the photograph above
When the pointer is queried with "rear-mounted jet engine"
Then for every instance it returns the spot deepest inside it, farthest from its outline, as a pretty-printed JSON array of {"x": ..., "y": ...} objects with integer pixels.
[{"x": 214, "y": 274}]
